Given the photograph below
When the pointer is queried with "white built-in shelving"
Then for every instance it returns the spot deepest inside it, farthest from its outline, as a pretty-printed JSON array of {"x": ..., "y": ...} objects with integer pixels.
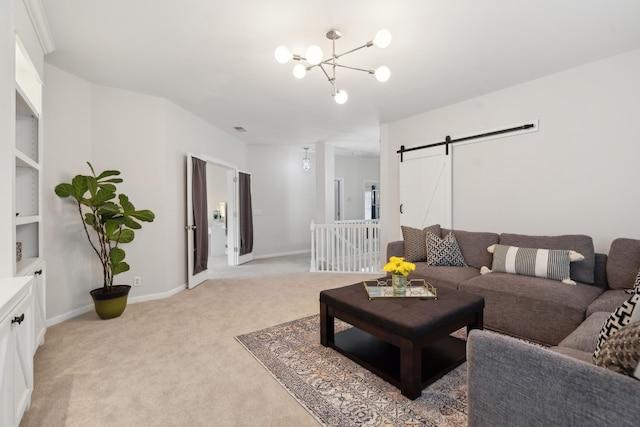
[{"x": 28, "y": 163}]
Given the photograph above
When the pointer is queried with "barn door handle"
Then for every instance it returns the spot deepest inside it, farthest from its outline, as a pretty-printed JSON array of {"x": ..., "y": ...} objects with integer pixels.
[{"x": 401, "y": 205}]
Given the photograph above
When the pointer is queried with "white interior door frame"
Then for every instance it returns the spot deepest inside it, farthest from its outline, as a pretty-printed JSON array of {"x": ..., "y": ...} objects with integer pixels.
[{"x": 195, "y": 280}]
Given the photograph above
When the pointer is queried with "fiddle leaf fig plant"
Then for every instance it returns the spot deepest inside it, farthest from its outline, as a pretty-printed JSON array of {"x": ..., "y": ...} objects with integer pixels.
[{"x": 111, "y": 216}]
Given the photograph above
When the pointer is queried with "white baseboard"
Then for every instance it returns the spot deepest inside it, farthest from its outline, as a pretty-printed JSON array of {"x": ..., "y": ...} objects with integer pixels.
[
  {"x": 69, "y": 315},
  {"x": 282, "y": 254},
  {"x": 77, "y": 312}
]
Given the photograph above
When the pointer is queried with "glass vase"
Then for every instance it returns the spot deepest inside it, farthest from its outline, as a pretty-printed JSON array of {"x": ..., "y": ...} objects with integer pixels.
[{"x": 399, "y": 283}]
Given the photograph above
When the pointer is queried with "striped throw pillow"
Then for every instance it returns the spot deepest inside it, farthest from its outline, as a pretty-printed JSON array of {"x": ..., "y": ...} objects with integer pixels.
[{"x": 547, "y": 263}]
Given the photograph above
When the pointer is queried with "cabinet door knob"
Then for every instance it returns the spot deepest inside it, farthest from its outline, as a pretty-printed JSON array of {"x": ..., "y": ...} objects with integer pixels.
[
  {"x": 18, "y": 319},
  {"x": 37, "y": 273}
]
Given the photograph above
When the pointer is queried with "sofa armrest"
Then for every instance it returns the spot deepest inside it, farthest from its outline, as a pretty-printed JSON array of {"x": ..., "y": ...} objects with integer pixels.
[
  {"x": 517, "y": 384},
  {"x": 395, "y": 249}
]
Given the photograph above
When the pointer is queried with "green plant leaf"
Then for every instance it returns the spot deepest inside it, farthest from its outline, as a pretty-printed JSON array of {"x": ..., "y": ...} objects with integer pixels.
[
  {"x": 111, "y": 229},
  {"x": 125, "y": 236},
  {"x": 127, "y": 206},
  {"x": 129, "y": 222},
  {"x": 107, "y": 173},
  {"x": 143, "y": 215},
  {"x": 108, "y": 187},
  {"x": 79, "y": 183},
  {"x": 116, "y": 255},
  {"x": 109, "y": 209},
  {"x": 64, "y": 190},
  {"x": 92, "y": 185},
  {"x": 90, "y": 219},
  {"x": 101, "y": 197},
  {"x": 119, "y": 268}
]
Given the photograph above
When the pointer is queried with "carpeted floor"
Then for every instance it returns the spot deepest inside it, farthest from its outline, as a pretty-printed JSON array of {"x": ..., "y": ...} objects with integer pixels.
[
  {"x": 175, "y": 361},
  {"x": 338, "y": 392}
]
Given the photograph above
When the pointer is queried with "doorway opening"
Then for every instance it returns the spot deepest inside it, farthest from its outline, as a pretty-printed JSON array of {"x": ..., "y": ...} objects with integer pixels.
[{"x": 338, "y": 198}]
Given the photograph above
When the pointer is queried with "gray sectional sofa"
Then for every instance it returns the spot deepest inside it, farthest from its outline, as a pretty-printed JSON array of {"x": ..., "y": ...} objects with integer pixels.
[{"x": 512, "y": 382}]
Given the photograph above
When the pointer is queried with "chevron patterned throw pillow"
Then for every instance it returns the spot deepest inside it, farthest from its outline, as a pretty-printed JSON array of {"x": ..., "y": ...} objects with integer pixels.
[
  {"x": 444, "y": 252},
  {"x": 628, "y": 313},
  {"x": 636, "y": 286}
]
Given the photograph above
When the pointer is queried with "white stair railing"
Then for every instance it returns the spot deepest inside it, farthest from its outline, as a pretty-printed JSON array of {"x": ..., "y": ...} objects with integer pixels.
[{"x": 346, "y": 246}]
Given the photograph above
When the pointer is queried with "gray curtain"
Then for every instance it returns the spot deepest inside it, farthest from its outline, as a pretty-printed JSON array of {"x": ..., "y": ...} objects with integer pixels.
[
  {"x": 201, "y": 233},
  {"x": 245, "y": 213}
]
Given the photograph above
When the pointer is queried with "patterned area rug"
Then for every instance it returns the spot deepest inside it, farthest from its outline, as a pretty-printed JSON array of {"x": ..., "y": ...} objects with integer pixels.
[{"x": 339, "y": 392}]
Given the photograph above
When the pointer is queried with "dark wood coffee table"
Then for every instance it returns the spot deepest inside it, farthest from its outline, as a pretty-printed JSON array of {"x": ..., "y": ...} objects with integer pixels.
[{"x": 405, "y": 341}]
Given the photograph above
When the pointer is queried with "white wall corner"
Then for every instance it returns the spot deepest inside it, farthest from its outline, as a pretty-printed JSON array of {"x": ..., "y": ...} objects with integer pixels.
[{"x": 40, "y": 24}]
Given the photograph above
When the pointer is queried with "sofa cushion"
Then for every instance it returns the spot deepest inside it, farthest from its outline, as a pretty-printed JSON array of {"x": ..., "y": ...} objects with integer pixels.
[
  {"x": 585, "y": 336},
  {"x": 621, "y": 352},
  {"x": 623, "y": 263},
  {"x": 627, "y": 313},
  {"x": 444, "y": 251},
  {"x": 546, "y": 263},
  {"x": 608, "y": 301},
  {"x": 444, "y": 277},
  {"x": 473, "y": 245},
  {"x": 585, "y": 356},
  {"x": 636, "y": 286},
  {"x": 531, "y": 307},
  {"x": 581, "y": 271},
  {"x": 415, "y": 249}
]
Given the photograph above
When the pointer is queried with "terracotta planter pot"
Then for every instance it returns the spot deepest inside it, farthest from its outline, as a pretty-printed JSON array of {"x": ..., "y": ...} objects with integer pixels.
[{"x": 109, "y": 305}]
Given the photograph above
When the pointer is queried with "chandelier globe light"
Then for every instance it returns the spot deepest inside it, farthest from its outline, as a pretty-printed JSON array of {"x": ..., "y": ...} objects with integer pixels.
[{"x": 314, "y": 58}]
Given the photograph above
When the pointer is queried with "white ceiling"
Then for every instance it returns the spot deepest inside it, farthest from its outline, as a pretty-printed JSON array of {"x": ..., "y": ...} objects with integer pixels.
[{"x": 215, "y": 58}]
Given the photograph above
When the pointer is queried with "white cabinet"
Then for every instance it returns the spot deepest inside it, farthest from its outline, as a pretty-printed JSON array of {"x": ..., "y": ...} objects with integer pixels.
[
  {"x": 16, "y": 348},
  {"x": 39, "y": 290}
]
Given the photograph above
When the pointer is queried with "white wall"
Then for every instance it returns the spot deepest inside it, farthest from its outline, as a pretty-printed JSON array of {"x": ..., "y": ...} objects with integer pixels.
[
  {"x": 354, "y": 171},
  {"x": 578, "y": 174},
  {"x": 71, "y": 269},
  {"x": 144, "y": 137},
  {"x": 7, "y": 136},
  {"x": 283, "y": 199}
]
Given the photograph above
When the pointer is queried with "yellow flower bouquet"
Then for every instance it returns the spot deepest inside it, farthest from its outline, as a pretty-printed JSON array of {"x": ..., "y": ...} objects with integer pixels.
[{"x": 397, "y": 265}]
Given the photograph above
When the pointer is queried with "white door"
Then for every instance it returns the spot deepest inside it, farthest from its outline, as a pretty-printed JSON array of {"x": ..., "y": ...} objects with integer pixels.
[
  {"x": 193, "y": 280},
  {"x": 239, "y": 259},
  {"x": 425, "y": 188}
]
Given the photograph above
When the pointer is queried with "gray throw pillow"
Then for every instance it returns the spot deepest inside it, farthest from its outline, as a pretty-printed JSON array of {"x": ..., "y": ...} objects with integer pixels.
[
  {"x": 444, "y": 252},
  {"x": 415, "y": 248}
]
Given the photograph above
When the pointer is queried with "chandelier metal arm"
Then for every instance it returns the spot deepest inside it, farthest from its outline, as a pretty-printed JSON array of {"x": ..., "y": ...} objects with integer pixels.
[
  {"x": 332, "y": 80},
  {"x": 350, "y": 68},
  {"x": 368, "y": 44}
]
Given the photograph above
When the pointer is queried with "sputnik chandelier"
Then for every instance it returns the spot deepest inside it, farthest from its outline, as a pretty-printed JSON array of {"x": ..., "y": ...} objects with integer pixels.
[{"x": 314, "y": 58}]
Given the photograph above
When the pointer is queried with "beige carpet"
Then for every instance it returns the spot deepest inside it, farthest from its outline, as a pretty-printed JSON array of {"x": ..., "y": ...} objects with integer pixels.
[{"x": 175, "y": 362}]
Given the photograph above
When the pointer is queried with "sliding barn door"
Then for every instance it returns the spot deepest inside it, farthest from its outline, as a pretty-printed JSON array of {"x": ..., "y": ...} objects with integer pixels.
[{"x": 425, "y": 188}]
